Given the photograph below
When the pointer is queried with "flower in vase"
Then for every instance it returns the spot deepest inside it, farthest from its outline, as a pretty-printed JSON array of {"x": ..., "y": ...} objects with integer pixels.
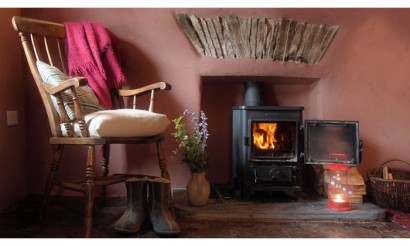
[{"x": 191, "y": 145}]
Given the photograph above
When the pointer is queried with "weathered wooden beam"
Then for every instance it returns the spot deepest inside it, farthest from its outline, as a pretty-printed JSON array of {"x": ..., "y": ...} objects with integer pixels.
[
  {"x": 189, "y": 31},
  {"x": 214, "y": 37},
  {"x": 318, "y": 39},
  {"x": 227, "y": 26},
  {"x": 200, "y": 33},
  {"x": 291, "y": 34},
  {"x": 245, "y": 31},
  {"x": 330, "y": 34},
  {"x": 281, "y": 40},
  {"x": 227, "y": 38},
  {"x": 303, "y": 44},
  {"x": 270, "y": 30},
  {"x": 218, "y": 28},
  {"x": 238, "y": 35},
  {"x": 252, "y": 40},
  {"x": 297, "y": 37},
  {"x": 208, "y": 37},
  {"x": 308, "y": 46},
  {"x": 235, "y": 34},
  {"x": 259, "y": 38}
]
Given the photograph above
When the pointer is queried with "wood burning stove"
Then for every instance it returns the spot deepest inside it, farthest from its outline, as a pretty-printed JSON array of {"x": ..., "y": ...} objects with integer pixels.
[
  {"x": 270, "y": 145},
  {"x": 267, "y": 144}
]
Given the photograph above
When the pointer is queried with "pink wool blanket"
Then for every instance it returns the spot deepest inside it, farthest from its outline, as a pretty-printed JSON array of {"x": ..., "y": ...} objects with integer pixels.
[{"x": 93, "y": 53}]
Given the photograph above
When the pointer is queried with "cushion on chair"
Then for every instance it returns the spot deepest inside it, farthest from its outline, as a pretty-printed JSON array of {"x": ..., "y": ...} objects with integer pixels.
[
  {"x": 123, "y": 123},
  {"x": 53, "y": 76}
]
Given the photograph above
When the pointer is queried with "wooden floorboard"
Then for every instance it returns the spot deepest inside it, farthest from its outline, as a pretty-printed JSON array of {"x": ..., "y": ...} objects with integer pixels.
[{"x": 64, "y": 219}]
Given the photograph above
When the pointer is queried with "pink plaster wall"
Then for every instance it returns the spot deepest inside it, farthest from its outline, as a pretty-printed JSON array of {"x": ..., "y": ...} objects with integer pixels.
[
  {"x": 13, "y": 168},
  {"x": 363, "y": 77}
]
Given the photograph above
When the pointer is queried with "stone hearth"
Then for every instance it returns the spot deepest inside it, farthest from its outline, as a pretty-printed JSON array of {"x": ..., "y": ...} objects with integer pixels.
[{"x": 275, "y": 208}]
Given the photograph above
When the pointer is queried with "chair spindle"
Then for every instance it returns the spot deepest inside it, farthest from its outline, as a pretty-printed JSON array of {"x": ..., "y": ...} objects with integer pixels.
[
  {"x": 50, "y": 60},
  {"x": 134, "y": 102},
  {"x": 151, "y": 101},
  {"x": 35, "y": 47},
  {"x": 62, "y": 55}
]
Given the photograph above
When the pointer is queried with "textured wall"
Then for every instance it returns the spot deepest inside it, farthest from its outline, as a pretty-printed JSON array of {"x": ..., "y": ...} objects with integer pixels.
[{"x": 13, "y": 167}]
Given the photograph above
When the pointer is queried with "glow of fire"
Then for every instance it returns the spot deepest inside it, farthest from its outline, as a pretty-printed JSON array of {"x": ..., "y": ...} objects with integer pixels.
[
  {"x": 264, "y": 135},
  {"x": 338, "y": 198}
]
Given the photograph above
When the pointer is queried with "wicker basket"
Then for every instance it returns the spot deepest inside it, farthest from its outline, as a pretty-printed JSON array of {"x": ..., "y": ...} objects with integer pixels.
[{"x": 391, "y": 193}]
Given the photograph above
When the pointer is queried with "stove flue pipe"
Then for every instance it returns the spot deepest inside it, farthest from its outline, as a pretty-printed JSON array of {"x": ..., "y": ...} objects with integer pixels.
[{"x": 253, "y": 93}]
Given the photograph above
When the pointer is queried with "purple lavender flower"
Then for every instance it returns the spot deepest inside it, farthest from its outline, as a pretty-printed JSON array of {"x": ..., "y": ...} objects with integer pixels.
[{"x": 192, "y": 146}]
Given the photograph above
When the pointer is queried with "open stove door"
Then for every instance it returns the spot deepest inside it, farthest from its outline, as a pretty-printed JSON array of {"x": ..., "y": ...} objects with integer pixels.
[{"x": 332, "y": 138}]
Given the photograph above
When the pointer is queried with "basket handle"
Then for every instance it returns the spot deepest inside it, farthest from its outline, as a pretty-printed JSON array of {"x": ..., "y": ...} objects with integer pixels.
[{"x": 386, "y": 162}]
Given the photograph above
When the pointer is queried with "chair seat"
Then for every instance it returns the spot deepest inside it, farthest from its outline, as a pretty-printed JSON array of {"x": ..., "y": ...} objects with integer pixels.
[{"x": 122, "y": 123}]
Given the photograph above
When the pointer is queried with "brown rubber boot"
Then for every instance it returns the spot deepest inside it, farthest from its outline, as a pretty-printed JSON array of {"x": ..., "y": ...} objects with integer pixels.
[
  {"x": 135, "y": 213},
  {"x": 162, "y": 220}
]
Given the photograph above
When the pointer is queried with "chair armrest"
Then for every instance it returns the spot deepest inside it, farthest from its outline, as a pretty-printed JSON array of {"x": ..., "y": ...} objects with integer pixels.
[
  {"x": 145, "y": 89},
  {"x": 69, "y": 84},
  {"x": 76, "y": 82}
]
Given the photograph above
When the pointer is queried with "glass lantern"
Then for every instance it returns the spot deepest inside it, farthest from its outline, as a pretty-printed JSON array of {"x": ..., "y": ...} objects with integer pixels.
[{"x": 338, "y": 190}]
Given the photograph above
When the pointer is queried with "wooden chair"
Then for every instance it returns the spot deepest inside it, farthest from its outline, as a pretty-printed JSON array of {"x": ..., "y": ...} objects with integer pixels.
[{"x": 37, "y": 37}]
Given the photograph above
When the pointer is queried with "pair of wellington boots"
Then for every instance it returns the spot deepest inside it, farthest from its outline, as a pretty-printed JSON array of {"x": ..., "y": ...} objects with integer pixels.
[{"x": 155, "y": 206}]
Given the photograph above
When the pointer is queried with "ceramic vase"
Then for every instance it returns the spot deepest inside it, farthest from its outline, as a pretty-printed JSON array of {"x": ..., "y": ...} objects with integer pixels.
[{"x": 198, "y": 189}]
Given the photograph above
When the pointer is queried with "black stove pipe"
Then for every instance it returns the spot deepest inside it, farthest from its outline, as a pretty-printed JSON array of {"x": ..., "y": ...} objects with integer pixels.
[{"x": 253, "y": 93}]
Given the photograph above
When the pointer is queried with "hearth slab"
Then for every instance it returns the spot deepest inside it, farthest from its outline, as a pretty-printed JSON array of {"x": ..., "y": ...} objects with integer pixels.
[{"x": 280, "y": 211}]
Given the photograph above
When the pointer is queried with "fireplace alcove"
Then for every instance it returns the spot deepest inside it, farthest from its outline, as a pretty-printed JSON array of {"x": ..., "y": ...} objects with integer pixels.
[{"x": 220, "y": 94}]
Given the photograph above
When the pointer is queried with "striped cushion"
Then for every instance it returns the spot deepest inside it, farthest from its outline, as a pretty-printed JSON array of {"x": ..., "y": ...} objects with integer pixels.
[{"x": 53, "y": 76}]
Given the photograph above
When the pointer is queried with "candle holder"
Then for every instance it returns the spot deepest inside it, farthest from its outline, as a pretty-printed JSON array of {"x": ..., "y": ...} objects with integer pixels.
[{"x": 338, "y": 190}]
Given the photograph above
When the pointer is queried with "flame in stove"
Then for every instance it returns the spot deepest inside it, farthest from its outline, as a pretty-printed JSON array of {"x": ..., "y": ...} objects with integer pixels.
[{"x": 264, "y": 135}]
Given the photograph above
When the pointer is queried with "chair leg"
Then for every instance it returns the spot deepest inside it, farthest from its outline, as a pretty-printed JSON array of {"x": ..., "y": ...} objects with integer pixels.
[
  {"x": 105, "y": 163},
  {"x": 51, "y": 178},
  {"x": 164, "y": 173},
  {"x": 162, "y": 162},
  {"x": 89, "y": 190}
]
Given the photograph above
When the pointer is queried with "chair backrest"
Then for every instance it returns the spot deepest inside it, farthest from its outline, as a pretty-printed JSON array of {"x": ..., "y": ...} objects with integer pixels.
[{"x": 45, "y": 41}]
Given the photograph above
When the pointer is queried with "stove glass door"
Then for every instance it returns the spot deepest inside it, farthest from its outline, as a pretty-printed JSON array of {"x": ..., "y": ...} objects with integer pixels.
[
  {"x": 273, "y": 140},
  {"x": 324, "y": 139}
]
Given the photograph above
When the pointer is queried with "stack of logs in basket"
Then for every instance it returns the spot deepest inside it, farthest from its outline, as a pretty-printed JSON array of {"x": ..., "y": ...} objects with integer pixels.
[{"x": 387, "y": 174}]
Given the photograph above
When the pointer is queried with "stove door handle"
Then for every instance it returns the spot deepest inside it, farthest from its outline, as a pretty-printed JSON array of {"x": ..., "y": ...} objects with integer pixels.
[{"x": 246, "y": 140}]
